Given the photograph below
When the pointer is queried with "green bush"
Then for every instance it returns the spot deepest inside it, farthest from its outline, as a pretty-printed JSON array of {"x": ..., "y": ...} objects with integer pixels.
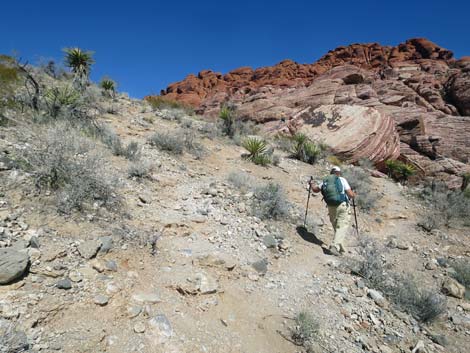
[
  {"x": 304, "y": 149},
  {"x": 60, "y": 100},
  {"x": 270, "y": 202},
  {"x": 257, "y": 151},
  {"x": 399, "y": 170}
]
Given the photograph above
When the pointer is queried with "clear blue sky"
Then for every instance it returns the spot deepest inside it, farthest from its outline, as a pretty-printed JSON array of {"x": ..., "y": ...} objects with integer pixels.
[{"x": 145, "y": 45}]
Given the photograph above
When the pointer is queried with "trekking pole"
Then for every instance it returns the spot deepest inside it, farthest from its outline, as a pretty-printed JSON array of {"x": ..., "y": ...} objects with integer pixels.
[
  {"x": 355, "y": 215},
  {"x": 308, "y": 200}
]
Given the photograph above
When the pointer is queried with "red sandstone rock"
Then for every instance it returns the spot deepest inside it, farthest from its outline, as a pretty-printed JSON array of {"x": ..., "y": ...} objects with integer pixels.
[{"x": 417, "y": 85}]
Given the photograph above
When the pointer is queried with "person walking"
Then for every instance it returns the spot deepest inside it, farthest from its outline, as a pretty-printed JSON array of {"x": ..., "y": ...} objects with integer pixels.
[{"x": 337, "y": 193}]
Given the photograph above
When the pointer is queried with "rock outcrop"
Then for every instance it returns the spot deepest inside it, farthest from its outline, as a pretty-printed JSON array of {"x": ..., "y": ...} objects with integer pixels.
[{"x": 417, "y": 84}]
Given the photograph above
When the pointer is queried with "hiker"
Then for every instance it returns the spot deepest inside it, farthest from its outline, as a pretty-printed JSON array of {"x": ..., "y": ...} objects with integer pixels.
[{"x": 336, "y": 193}]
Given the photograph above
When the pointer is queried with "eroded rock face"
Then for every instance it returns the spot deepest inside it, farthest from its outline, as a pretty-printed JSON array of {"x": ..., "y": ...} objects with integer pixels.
[
  {"x": 417, "y": 85},
  {"x": 353, "y": 132}
]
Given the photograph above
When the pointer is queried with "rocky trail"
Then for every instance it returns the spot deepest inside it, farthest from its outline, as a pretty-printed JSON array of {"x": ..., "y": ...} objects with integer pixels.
[{"x": 187, "y": 268}]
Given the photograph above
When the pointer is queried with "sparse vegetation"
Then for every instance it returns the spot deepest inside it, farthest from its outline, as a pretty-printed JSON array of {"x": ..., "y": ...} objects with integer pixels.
[
  {"x": 405, "y": 292},
  {"x": 304, "y": 149},
  {"x": 173, "y": 143},
  {"x": 334, "y": 160},
  {"x": 139, "y": 169},
  {"x": 444, "y": 206},
  {"x": 9, "y": 77},
  {"x": 257, "y": 151},
  {"x": 462, "y": 273},
  {"x": 161, "y": 102},
  {"x": 270, "y": 202},
  {"x": 305, "y": 330},
  {"x": 241, "y": 180},
  {"x": 65, "y": 161},
  {"x": 399, "y": 170}
]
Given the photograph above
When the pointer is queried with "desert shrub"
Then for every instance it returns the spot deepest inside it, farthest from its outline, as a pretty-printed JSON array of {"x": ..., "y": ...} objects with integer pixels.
[
  {"x": 65, "y": 161},
  {"x": 371, "y": 267},
  {"x": 284, "y": 143},
  {"x": 80, "y": 62},
  {"x": 173, "y": 143},
  {"x": 9, "y": 78},
  {"x": 444, "y": 206},
  {"x": 399, "y": 170},
  {"x": 275, "y": 159},
  {"x": 242, "y": 129},
  {"x": 360, "y": 181},
  {"x": 190, "y": 144},
  {"x": 462, "y": 272},
  {"x": 305, "y": 330},
  {"x": 424, "y": 304},
  {"x": 257, "y": 151},
  {"x": 241, "y": 180},
  {"x": 270, "y": 202},
  {"x": 403, "y": 291},
  {"x": 130, "y": 151},
  {"x": 162, "y": 102},
  {"x": 334, "y": 160},
  {"x": 304, "y": 149},
  {"x": 139, "y": 169}
]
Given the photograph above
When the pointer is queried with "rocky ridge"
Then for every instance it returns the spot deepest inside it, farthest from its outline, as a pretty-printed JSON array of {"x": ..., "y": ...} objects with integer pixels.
[{"x": 417, "y": 84}]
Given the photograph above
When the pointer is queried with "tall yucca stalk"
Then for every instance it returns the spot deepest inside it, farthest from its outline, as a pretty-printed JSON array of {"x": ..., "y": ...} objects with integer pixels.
[{"x": 79, "y": 61}]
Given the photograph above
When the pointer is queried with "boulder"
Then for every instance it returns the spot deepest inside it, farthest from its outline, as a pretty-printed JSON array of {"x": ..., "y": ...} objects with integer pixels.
[
  {"x": 353, "y": 132},
  {"x": 13, "y": 265}
]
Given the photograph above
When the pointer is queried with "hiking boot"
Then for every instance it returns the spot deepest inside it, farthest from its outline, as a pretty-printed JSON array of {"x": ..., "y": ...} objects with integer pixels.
[{"x": 334, "y": 251}]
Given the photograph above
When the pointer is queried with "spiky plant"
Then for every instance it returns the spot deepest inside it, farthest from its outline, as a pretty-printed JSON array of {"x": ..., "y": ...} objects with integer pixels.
[
  {"x": 79, "y": 61},
  {"x": 58, "y": 98},
  {"x": 257, "y": 150},
  {"x": 227, "y": 115},
  {"x": 304, "y": 149},
  {"x": 399, "y": 170},
  {"x": 109, "y": 86}
]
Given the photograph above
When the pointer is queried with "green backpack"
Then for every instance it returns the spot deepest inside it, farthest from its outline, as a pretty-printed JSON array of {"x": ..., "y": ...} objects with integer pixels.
[{"x": 332, "y": 191}]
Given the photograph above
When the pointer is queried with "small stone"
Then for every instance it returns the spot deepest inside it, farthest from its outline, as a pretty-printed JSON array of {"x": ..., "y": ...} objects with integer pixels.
[
  {"x": 147, "y": 298},
  {"x": 112, "y": 288},
  {"x": 75, "y": 276},
  {"x": 111, "y": 265},
  {"x": 139, "y": 327},
  {"x": 89, "y": 249},
  {"x": 160, "y": 328},
  {"x": 106, "y": 244},
  {"x": 439, "y": 339},
  {"x": 419, "y": 348},
  {"x": 64, "y": 284},
  {"x": 377, "y": 297},
  {"x": 97, "y": 265},
  {"x": 101, "y": 300},
  {"x": 269, "y": 241},
  {"x": 451, "y": 287},
  {"x": 206, "y": 284},
  {"x": 134, "y": 311},
  {"x": 430, "y": 265},
  {"x": 261, "y": 266},
  {"x": 34, "y": 242}
]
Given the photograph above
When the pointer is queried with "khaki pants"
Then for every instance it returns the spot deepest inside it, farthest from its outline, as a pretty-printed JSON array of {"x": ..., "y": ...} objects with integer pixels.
[{"x": 340, "y": 217}]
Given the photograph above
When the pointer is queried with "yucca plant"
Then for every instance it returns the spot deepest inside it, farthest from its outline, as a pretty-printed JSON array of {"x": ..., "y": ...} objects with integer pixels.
[
  {"x": 108, "y": 86},
  {"x": 257, "y": 150},
  {"x": 57, "y": 98},
  {"x": 304, "y": 149},
  {"x": 79, "y": 61},
  {"x": 399, "y": 170},
  {"x": 227, "y": 115}
]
